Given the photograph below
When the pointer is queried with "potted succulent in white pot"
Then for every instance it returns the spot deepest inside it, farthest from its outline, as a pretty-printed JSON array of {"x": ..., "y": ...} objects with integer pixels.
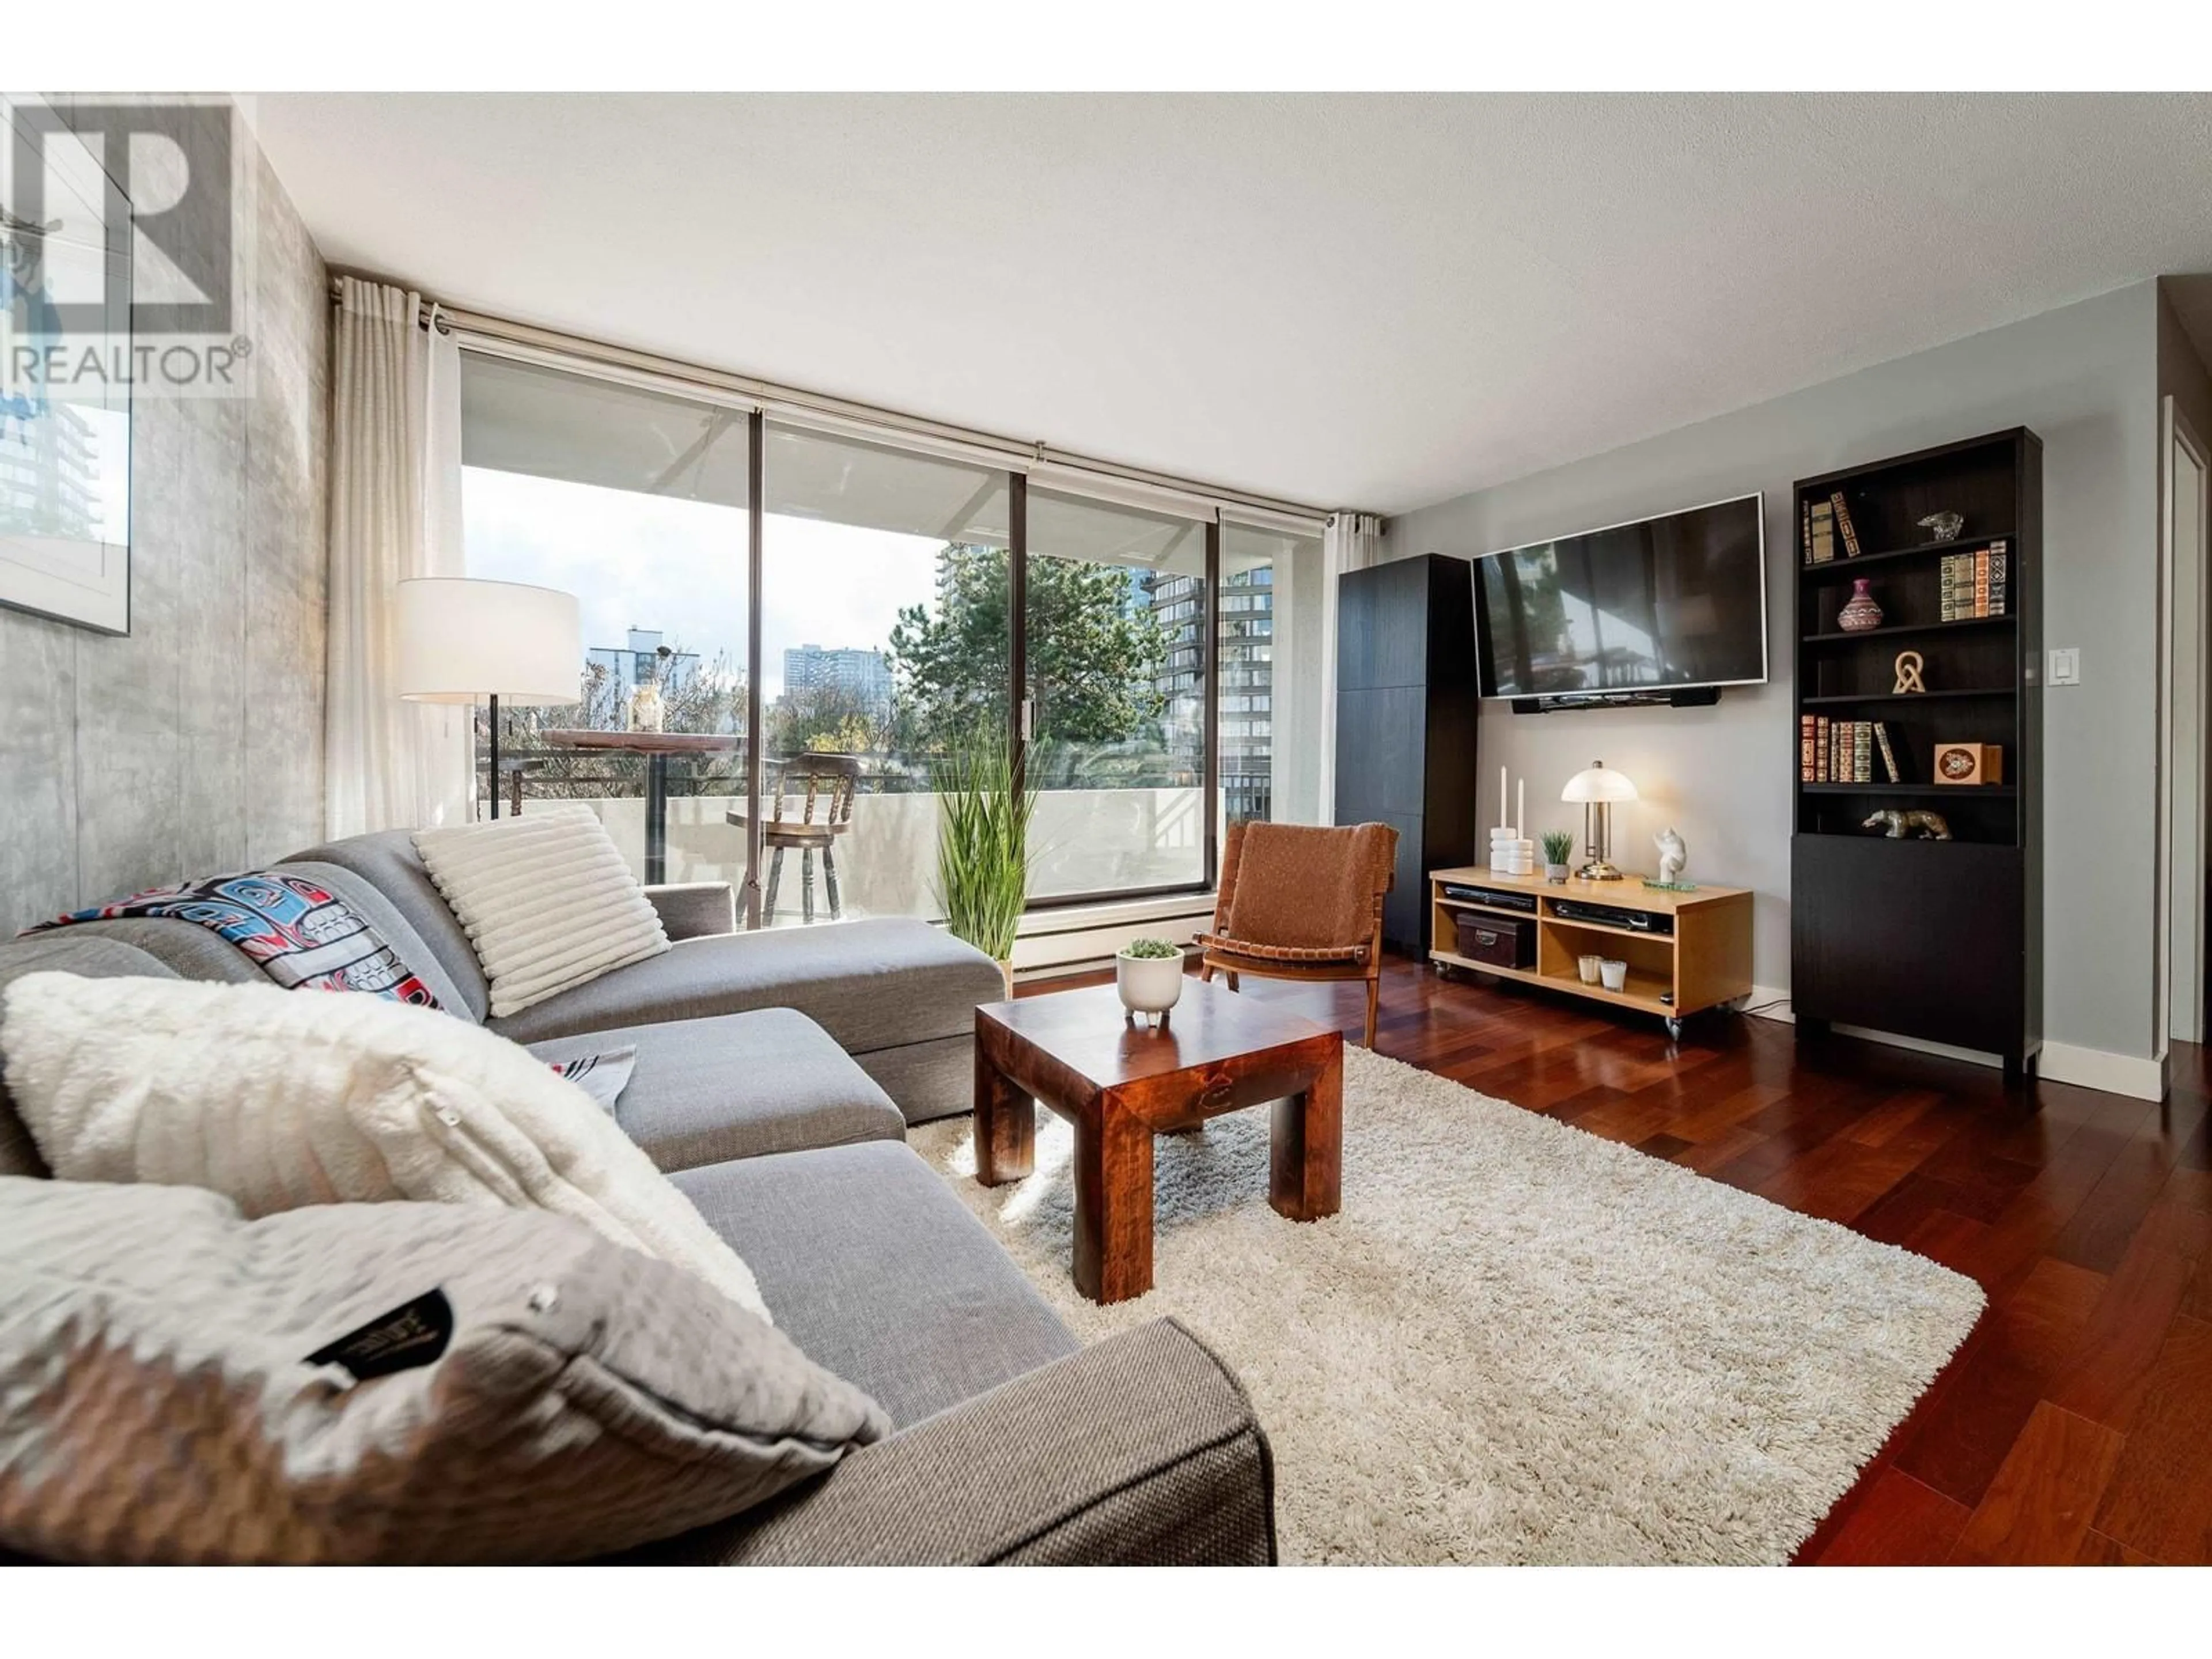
[{"x": 1148, "y": 973}]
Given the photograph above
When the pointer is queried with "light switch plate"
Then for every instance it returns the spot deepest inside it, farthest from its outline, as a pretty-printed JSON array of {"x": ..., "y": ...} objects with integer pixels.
[{"x": 2065, "y": 665}]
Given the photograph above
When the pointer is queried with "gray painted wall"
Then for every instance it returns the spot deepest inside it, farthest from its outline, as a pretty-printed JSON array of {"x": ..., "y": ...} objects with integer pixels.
[
  {"x": 2084, "y": 379},
  {"x": 193, "y": 746}
]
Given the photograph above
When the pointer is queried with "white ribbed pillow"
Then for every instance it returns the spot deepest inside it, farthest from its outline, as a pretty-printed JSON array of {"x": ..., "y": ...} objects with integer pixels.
[{"x": 548, "y": 902}]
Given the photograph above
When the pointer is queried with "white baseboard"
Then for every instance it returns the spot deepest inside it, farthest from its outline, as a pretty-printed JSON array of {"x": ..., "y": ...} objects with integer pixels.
[{"x": 2135, "y": 1076}]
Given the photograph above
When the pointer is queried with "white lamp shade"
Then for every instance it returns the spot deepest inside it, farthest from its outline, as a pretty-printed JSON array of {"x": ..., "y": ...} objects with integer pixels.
[
  {"x": 462, "y": 640},
  {"x": 1597, "y": 785}
]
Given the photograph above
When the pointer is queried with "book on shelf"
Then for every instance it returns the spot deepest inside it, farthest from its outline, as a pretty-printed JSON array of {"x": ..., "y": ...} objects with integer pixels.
[
  {"x": 1844, "y": 525},
  {"x": 1973, "y": 585},
  {"x": 1888, "y": 755},
  {"x": 1820, "y": 520},
  {"x": 1823, "y": 749},
  {"x": 1805, "y": 734},
  {"x": 1805, "y": 531},
  {"x": 1862, "y": 752}
]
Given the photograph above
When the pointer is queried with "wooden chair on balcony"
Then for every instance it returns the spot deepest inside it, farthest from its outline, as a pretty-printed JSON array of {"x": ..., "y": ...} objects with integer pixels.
[
  {"x": 825, "y": 812},
  {"x": 1297, "y": 902}
]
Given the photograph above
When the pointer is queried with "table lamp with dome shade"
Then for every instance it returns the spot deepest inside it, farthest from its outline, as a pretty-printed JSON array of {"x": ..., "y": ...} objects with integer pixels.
[{"x": 1595, "y": 790}]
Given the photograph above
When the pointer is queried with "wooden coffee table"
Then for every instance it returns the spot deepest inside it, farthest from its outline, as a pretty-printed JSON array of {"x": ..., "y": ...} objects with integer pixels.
[{"x": 1121, "y": 1084}]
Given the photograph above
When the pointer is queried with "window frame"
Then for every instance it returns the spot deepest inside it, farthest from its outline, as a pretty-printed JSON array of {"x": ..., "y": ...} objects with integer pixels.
[{"x": 1208, "y": 606}]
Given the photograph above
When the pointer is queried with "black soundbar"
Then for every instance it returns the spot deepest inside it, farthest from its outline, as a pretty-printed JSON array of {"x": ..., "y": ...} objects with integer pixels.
[{"x": 1688, "y": 696}]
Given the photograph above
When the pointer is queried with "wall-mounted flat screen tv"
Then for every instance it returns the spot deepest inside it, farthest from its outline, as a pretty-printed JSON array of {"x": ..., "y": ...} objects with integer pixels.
[{"x": 1652, "y": 607}]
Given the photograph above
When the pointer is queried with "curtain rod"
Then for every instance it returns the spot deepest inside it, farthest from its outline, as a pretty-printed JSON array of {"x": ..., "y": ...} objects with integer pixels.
[{"x": 1027, "y": 453}]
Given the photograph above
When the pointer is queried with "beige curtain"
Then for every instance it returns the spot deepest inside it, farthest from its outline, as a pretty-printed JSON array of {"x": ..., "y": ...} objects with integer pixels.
[
  {"x": 395, "y": 513},
  {"x": 1352, "y": 541}
]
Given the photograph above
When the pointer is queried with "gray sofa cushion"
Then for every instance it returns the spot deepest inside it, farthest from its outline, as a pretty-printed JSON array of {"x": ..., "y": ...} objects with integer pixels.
[
  {"x": 180, "y": 1384},
  {"x": 388, "y": 862},
  {"x": 928, "y": 1080},
  {"x": 879, "y": 1273},
  {"x": 705, "y": 1090},
  {"x": 187, "y": 949},
  {"x": 1140, "y": 1450},
  {"x": 869, "y": 984},
  {"x": 70, "y": 951}
]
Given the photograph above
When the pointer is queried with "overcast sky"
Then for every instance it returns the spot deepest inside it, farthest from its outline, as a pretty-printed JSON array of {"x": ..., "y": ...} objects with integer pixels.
[{"x": 637, "y": 561}]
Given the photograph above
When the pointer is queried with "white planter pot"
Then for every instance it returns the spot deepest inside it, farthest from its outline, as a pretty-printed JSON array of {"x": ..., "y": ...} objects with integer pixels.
[
  {"x": 1556, "y": 873},
  {"x": 1148, "y": 985}
]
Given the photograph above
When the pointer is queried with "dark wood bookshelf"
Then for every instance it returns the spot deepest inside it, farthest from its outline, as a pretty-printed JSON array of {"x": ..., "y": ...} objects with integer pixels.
[
  {"x": 1940, "y": 940},
  {"x": 1844, "y": 564},
  {"x": 1889, "y": 629},
  {"x": 1917, "y": 791},
  {"x": 1861, "y": 699}
]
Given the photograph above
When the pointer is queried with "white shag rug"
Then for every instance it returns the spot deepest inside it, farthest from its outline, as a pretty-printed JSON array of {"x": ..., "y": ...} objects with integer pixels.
[{"x": 1516, "y": 1342}]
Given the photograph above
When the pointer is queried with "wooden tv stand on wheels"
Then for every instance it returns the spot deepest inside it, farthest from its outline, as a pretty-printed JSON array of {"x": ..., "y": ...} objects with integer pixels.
[{"x": 1692, "y": 951}]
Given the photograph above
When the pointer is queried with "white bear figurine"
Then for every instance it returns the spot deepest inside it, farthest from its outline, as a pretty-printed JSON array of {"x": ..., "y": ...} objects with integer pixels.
[{"x": 1673, "y": 855}]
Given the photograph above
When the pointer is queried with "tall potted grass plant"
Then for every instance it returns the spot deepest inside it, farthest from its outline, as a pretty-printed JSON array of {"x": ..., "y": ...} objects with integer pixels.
[{"x": 985, "y": 806}]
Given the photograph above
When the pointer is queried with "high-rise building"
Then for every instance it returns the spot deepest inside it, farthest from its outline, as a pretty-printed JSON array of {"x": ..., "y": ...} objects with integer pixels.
[
  {"x": 863, "y": 676},
  {"x": 1245, "y": 632},
  {"x": 635, "y": 663}
]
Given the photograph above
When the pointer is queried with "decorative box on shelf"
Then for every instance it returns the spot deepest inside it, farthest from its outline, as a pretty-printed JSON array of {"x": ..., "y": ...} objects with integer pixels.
[{"x": 1969, "y": 763}]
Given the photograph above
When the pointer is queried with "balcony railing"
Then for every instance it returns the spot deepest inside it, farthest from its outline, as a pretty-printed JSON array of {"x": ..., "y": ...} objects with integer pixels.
[{"x": 1135, "y": 838}]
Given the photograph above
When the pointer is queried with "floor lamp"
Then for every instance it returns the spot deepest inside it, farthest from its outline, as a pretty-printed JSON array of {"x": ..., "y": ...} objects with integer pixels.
[{"x": 463, "y": 640}]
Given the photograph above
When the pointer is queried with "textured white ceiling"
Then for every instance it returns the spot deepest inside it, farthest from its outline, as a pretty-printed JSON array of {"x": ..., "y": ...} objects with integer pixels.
[{"x": 1366, "y": 301}]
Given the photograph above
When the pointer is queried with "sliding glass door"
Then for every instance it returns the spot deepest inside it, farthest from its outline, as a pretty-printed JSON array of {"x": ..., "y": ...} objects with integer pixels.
[
  {"x": 636, "y": 503},
  {"x": 885, "y": 634},
  {"x": 1150, "y": 663},
  {"x": 1118, "y": 650},
  {"x": 1268, "y": 654}
]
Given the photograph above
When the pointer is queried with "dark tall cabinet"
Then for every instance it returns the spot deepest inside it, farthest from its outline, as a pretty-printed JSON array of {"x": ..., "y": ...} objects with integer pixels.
[
  {"x": 1938, "y": 939},
  {"x": 1406, "y": 702}
]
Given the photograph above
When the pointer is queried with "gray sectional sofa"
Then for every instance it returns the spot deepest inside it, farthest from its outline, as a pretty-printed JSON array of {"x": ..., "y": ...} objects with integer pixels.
[{"x": 775, "y": 1075}]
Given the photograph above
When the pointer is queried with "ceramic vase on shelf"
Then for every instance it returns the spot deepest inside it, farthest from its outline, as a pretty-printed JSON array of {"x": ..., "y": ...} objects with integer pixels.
[{"x": 1859, "y": 612}]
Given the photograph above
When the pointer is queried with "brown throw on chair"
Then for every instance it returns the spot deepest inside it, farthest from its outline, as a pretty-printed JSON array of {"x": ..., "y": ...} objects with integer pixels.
[{"x": 1301, "y": 902}]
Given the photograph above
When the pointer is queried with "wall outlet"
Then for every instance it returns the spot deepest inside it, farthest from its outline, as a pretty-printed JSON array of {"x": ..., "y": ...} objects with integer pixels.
[{"x": 2065, "y": 665}]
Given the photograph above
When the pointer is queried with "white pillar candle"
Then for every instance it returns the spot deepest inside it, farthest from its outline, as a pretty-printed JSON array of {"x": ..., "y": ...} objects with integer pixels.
[{"x": 1520, "y": 809}]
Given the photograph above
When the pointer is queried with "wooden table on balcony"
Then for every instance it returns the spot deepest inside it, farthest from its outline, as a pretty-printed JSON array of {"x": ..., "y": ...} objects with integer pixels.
[{"x": 656, "y": 747}]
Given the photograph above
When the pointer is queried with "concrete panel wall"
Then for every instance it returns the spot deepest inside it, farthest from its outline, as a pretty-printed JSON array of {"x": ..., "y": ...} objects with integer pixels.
[{"x": 193, "y": 746}]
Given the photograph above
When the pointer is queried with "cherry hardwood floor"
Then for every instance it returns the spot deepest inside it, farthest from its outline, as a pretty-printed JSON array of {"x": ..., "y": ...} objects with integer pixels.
[{"x": 2075, "y": 1425}]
